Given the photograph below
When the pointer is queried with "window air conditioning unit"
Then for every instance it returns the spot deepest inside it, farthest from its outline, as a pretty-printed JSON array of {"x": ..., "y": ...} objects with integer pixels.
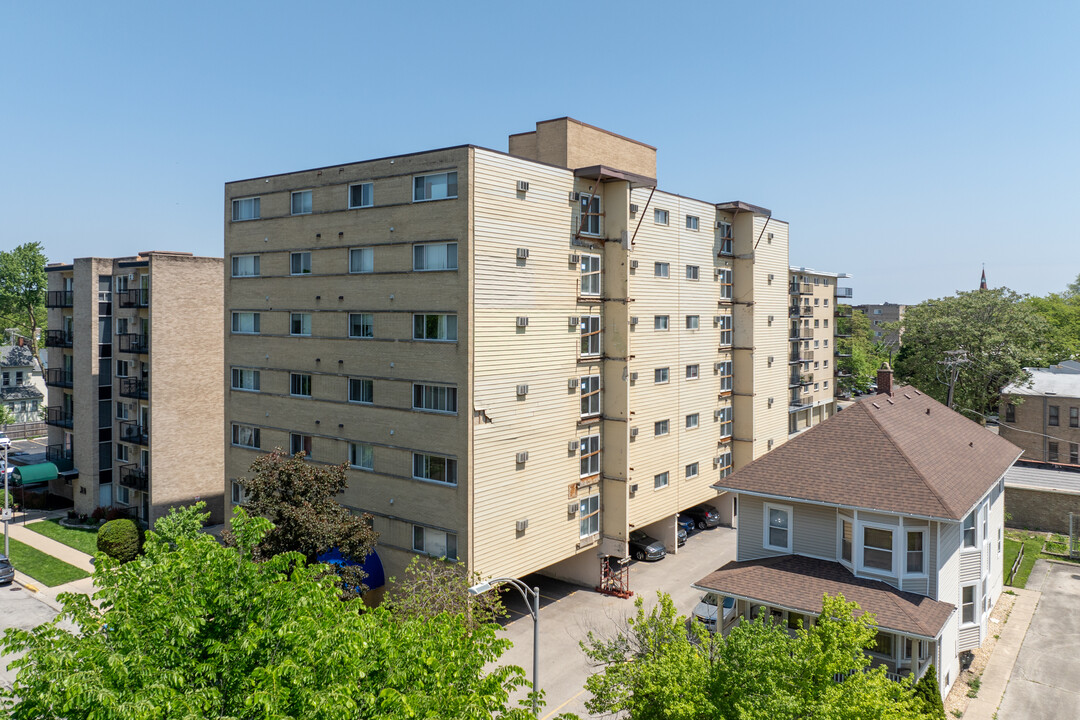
[
  {"x": 523, "y": 253},
  {"x": 633, "y": 488},
  {"x": 771, "y": 276},
  {"x": 633, "y": 432},
  {"x": 522, "y": 457},
  {"x": 718, "y": 319},
  {"x": 520, "y": 525},
  {"x": 770, "y": 444},
  {"x": 771, "y": 318},
  {"x": 572, "y": 446},
  {"x": 522, "y": 389},
  {"x": 573, "y": 320},
  {"x": 575, "y": 196},
  {"x": 633, "y": 377},
  {"x": 716, "y": 461},
  {"x": 575, "y": 258},
  {"x": 716, "y": 367},
  {"x": 571, "y": 383},
  {"x": 770, "y": 236},
  {"x": 633, "y": 208},
  {"x": 522, "y": 321},
  {"x": 720, "y": 224},
  {"x": 770, "y": 359},
  {"x": 572, "y": 508},
  {"x": 716, "y": 414},
  {"x": 633, "y": 321},
  {"x": 633, "y": 264},
  {"x": 523, "y": 186}
]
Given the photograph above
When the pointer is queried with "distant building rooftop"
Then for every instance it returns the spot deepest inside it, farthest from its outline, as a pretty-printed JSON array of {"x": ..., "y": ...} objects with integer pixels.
[{"x": 1062, "y": 379}]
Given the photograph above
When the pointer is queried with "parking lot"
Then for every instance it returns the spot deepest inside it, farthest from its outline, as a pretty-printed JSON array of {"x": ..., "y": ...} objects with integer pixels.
[{"x": 568, "y": 613}]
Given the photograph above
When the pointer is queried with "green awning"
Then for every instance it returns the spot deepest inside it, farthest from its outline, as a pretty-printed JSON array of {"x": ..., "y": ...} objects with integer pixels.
[{"x": 33, "y": 474}]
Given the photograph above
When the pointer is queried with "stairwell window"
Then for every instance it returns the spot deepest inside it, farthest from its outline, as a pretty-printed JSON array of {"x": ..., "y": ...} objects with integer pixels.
[
  {"x": 361, "y": 195},
  {"x": 589, "y": 510},
  {"x": 245, "y": 323},
  {"x": 362, "y": 260},
  {"x": 361, "y": 325},
  {"x": 590, "y": 395},
  {"x": 245, "y": 209},
  {"x": 435, "y": 468},
  {"x": 589, "y": 455},
  {"x": 435, "y": 256},
  {"x": 300, "y": 263},
  {"x": 726, "y": 285},
  {"x": 590, "y": 335},
  {"x": 245, "y": 266},
  {"x": 727, "y": 423},
  {"x": 361, "y": 456},
  {"x": 440, "y": 186},
  {"x": 435, "y": 327},
  {"x": 301, "y": 202},
  {"x": 589, "y": 214},
  {"x": 727, "y": 334},
  {"x": 590, "y": 274},
  {"x": 726, "y": 380}
]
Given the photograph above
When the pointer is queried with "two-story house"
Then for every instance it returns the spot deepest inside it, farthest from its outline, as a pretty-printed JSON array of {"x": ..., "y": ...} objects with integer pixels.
[
  {"x": 21, "y": 385},
  {"x": 897, "y": 503}
]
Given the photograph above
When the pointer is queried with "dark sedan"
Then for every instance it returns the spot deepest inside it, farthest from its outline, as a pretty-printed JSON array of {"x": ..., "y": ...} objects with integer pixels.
[
  {"x": 643, "y": 547},
  {"x": 703, "y": 516}
]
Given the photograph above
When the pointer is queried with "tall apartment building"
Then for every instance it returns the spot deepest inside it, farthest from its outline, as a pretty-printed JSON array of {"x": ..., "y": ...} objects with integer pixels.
[
  {"x": 881, "y": 315},
  {"x": 816, "y": 321},
  {"x": 521, "y": 356},
  {"x": 1043, "y": 416},
  {"x": 133, "y": 420}
]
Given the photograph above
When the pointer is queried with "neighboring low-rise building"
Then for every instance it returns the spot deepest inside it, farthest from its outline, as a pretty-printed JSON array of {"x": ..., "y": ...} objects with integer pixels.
[
  {"x": 897, "y": 503},
  {"x": 817, "y": 320},
  {"x": 880, "y": 315},
  {"x": 21, "y": 384},
  {"x": 135, "y": 405},
  {"x": 1042, "y": 415}
]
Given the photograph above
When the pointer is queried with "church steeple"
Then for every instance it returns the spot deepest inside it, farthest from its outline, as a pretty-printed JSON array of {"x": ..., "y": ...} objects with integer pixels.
[{"x": 982, "y": 283}]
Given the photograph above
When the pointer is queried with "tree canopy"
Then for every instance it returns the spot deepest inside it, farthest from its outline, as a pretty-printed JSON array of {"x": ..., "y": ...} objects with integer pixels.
[
  {"x": 653, "y": 669},
  {"x": 193, "y": 629},
  {"x": 1061, "y": 311},
  {"x": 993, "y": 333},
  {"x": 23, "y": 283},
  {"x": 859, "y": 356},
  {"x": 299, "y": 498}
]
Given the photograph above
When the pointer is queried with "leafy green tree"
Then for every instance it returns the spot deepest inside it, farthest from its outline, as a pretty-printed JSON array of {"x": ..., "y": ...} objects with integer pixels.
[
  {"x": 860, "y": 355},
  {"x": 23, "y": 285},
  {"x": 654, "y": 669},
  {"x": 995, "y": 333},
  {"x": 192, "y": 629},
  {"x": 299, "y": 498},
  {"x": 6, "y": 416},
  {"x": 120, "y": 539},
  {"x": 1061, "y": 311},
  {"x": 432, "y": 586}
]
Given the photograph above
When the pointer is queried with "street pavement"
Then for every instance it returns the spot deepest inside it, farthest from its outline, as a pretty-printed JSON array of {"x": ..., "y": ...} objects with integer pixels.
[
  {"x": 568, "y": 613},
  {"x": 19, "y": 609},
  {"x": 1044, "y": 684}
]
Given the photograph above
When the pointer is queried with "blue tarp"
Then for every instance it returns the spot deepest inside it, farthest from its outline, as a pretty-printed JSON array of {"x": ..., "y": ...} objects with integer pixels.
[{"x": 372, "y": 565}]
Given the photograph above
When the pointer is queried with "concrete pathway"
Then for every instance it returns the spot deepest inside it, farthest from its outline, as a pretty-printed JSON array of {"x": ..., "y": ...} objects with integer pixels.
[
  {"x": 47, "y": 545},
  {"x": 1000, "y": 668}
]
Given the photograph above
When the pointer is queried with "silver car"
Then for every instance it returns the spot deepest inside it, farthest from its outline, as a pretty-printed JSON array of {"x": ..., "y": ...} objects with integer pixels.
[{"x": 7, "y": 573}]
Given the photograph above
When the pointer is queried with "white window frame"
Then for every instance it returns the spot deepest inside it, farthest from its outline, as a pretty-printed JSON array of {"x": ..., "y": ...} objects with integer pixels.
[
  {"x": 370, "y": 192},
  {"x": 297, "y": 382},
  {"x": 693, "y": 420},
  {"x": 366, "y": 322},
  {"x": 449, "y": 468},
  {"x": 589, "y": 456},
  {"x": 446, "y": 324},
  {"x": 591, "y": 338},
  {"x": 726, "y": 327},
  {"x": 727, "y": 421},
  {"x": 356, "y": 456},
  {"x": 693, "y": 222},
  {"x": 766, "y": 527},
  {"x": 661, "y": 322},
  {"x": 304, "y": 257},
  {"x": 237, "y": 318},
  {"x": 724, "y": 275},
  {"x": 301, "y": 316},
  {"x": 360, "y": 383},
  {"x": 591, "y": 275},
  {"x": 841, "y": 521},
  {"x": 661, "y": 428},
  {"x": 367, "y": 260},
  {"x": 693, "y": 322},
  {"x": 661, "y": 269},
  {"x": 589, "y": 511},
  {"x": 974, "y": 604},
  {"x": 892, "y": 530},
  {"x": 239, "y": 494},
  {"x": 121, "y": 373},
  {"x": 661, "y": 480},
  {"x": 693, "y": 372},
  {"x": 449, "y": 182},
  {"x": 238, "y": 205},
  {"x": 973, "y": 529},
  {"x": 252, "y": 376},
  {"x": 661, "y": 376},
  {"x": 693, "y": 272},
  {"x": 304, "y": 196},
  {"x": 727, "y": 376},
  {"x": 661, "y": 216},
  {"x": 925, "y": 553},
  {"x": 420, "y": 251},
  {"x": 300, "y": 442},
  {"x": 123, "y": 453},
  {"x": 421, "y": 532},
  {"x": 692, "y": 471},
  {"x": 237, "y": 265},
  {"x": 590, "y": 395},
  {"x": 431, "y": 396},
  {"x": 589, "y": 224},
  {"x": 238, "y": 430}
]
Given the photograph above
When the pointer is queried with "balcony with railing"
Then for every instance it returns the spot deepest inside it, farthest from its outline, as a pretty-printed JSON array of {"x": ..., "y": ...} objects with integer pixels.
[
  {"x": 133, "y": 343},
  {"x": 843, "y": 312},
  {"x": 60, "y": 456},
  {"x": 843, "y": 292},
  {"x": 137, "y": 298},
  {"x": 798, "y": 401},
  {"x": 134, "y": 477},
  {"x": 58, "y": 338},
  {"x": 59, "y": 299},
  {"x": 797, "y": 379},
  {"x": 59, "y": 417},
  {"x": 133, "y": 432},
  {"x": 798, "y": 333},
  {"x": 59, "y": 377},
  {"x": 134, "y": 388}
]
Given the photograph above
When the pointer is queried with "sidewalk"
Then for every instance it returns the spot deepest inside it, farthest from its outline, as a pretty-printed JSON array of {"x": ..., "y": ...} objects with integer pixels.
[
  {"x": 998, "y": 671},
  {"x": 47, "y": 545}
]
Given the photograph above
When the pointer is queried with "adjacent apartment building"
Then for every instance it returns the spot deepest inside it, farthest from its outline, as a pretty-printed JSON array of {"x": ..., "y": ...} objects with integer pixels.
[
  {"x": 816, "y": 320},
  {"x": 898, "y": 504},
  {"x": 1042, "y": 416},
  {"x": 881, "y": 315},
  {"x": 522, "y": 356},
  {"x": 134, "y": 406}
]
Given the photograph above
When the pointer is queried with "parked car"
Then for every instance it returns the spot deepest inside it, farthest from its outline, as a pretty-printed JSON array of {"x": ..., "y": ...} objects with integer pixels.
[
  {"x": 7, "y": 573},
  {"x": 686, "y": 523},
  {"x": 705, "y": 610},
  {"x": 681, "y": 535},
  {"x": 643, "y": 547},
  {"x": 704, "y": 516}
]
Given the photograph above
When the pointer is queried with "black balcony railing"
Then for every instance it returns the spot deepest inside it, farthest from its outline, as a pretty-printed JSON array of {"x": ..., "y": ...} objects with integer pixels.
[
  {"x": 134, "y": 388},
  {"x": 133, "y": 343},
  {"x": 59, "y": 417},
  {"x": 58, "y": 299},
  {"x": 137, "y": 298},
  {"x": 133, "y": 432},
  {"x": 59, "y": 377},
  {"x": 59, "y": 456},
  {"x": 58, "y": 338},
  {"x": 134, "y": 477}
]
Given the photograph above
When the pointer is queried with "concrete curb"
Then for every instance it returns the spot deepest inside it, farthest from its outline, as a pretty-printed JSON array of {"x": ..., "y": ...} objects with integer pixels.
[
  {"x": 32, "y": 586},
  {"x": 998, "y": 671}
]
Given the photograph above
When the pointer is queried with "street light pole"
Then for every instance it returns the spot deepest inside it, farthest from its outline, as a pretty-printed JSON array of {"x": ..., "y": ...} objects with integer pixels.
[{"x": 531, "y": 596}]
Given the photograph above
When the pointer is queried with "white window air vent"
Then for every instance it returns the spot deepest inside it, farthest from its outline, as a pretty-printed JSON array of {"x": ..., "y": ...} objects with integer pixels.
[
  {"x": 633, "y": 208},
  {"x": 522, "y": 389},
  {"x": 523, "y": 253},
  {"x": 633, "y": 321},
  {"x": 572, "y": 508},
  {"x": 575, "y": 259},
  {"x": 571, "y": 383},
  {"x": 572, "y": 446},
  {"x": 633, "y": 377},
  {"x": 573, "y": 321},
  {"x": 520, "y": 525},
  {"x": 575, "y": 196},
  {"x": 522, "y": 321},
  {"x": 523, "y": 186},
  {"x": 633, "y": 488},
  {"x": 633, "y": 264},
  {"x": 633, "y": 432},
  {"x": 522, "y": 457}
]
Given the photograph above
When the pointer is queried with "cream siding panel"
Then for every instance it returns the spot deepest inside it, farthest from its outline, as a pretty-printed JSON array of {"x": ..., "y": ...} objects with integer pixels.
[
  {"x": 932, "y": 556},
  {"x": 949, "y": 653},
  {"x": 949, "y": 564},
  {"x": 815, "y": 531},
  {"x": 970, "y": 566},
  {"x": 751, "y": 529},
  {"x": 915, "y": 585}
]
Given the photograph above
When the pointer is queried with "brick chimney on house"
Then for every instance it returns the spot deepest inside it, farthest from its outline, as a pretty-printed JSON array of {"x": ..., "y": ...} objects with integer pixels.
[{"x": 884, "y": 379}]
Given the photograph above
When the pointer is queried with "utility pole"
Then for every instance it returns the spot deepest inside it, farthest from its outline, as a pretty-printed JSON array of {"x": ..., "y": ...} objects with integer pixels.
[
  {"x": 5, "y": 444},
  {"x": 952, "y": 362}
]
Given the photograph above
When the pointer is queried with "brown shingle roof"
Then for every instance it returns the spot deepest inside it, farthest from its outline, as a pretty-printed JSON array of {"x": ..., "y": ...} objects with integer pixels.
[
  {"x": 798, "y": 583},
  {"x": 906, "y": 453}
]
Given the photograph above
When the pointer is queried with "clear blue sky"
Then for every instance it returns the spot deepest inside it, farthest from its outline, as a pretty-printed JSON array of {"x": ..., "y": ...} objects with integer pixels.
[{"x": 906, "y": 143}]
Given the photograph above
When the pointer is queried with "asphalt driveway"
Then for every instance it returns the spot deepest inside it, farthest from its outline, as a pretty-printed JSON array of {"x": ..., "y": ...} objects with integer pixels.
[{"x": 1045, "y": 682}]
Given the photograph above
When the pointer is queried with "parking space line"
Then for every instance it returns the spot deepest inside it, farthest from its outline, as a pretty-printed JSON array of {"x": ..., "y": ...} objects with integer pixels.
[{"x": 564, "y": 704}]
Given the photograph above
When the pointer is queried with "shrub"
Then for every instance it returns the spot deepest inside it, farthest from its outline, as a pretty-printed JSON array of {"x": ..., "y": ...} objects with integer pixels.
[
  {"x": 120, "y": 539},
  {"x": 99, "y": 513},
  {"x": 926, "y": 689}
]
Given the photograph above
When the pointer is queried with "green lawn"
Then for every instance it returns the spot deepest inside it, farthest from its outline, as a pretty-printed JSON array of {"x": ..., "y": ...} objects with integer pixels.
[
  {"x": 44, "y": 568},
  {"x": 1033, "y": 543},
  {"x": 82, "y": 540}
]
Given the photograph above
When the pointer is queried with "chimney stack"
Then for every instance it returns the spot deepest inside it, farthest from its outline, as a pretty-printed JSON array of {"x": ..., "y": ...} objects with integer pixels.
[{"x": 884, "y": 379}]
